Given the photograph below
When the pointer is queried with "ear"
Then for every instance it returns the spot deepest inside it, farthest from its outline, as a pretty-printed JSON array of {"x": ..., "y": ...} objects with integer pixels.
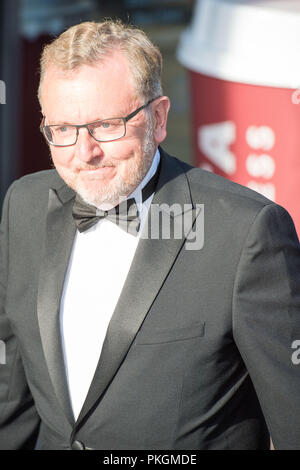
[{"x": 160, "y": 110}]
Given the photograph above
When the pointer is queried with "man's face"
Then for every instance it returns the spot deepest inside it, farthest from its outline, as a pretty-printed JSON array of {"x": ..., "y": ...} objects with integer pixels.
[{"x": 101, "y": 172}]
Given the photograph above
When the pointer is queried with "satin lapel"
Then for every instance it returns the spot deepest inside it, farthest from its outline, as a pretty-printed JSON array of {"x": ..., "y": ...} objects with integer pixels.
[
  {"x": 151, "y": 264},
  {"x": 60, "y": 231}
]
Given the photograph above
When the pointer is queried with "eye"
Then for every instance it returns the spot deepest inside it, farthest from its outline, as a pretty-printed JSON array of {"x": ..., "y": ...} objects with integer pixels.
[
  {"x": 63, "y": 129},
  {"x": 98, "y": 126},
  {"x": 105, "y": 124}
]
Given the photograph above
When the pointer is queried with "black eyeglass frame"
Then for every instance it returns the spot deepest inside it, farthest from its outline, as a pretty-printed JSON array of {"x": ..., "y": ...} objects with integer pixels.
[{"x": 79, "y": 126}]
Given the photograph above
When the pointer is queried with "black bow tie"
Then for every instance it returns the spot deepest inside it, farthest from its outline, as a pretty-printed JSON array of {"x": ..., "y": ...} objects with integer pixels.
[{"x": 125, "y": 215}]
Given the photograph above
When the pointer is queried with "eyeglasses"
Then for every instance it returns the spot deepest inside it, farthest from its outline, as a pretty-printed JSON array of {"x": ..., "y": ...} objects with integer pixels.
[{"x": 105, "y": 130}]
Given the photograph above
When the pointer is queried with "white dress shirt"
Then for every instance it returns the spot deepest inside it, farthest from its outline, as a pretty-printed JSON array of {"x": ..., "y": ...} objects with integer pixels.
[{"x": 98, "y": 267}]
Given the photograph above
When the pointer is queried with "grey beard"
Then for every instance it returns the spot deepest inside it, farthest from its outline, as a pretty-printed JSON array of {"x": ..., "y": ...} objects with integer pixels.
[{"x": 121, "y": 189}]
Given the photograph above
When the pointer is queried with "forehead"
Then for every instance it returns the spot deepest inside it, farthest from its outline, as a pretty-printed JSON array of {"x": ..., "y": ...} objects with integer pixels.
[{"x": 103, "y": 89}]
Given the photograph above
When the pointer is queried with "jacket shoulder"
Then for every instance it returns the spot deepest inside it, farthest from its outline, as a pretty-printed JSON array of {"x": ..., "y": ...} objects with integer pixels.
[
  {"x": 32, "y": 191},
  {"x": 218, "y": 187},
  {"x": 39, "y": 180}
]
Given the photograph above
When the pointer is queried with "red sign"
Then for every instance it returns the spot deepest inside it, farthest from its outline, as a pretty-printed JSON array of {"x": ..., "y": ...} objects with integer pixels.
[{"x": 250, "y": 134}]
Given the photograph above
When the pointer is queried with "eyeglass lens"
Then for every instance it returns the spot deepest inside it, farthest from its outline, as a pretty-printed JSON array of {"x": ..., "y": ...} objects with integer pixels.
[{"x": 105, "y": 130}]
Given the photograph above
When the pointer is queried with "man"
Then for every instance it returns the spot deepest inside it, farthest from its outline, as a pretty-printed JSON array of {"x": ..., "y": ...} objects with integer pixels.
[{"x": 120, "y": 337}]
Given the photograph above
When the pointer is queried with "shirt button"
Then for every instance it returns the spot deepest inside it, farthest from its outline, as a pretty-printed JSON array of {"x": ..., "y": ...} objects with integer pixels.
[{"x": 77, "y": 445}]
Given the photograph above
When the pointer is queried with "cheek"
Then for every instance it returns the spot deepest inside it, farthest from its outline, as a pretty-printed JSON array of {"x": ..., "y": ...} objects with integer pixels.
[
  {"x": 61, "y": 157},
  {"x": 121, "y": 152}
]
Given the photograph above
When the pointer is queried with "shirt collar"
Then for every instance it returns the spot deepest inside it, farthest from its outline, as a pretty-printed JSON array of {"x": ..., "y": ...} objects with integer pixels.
[{"x": 137, "y": 193}]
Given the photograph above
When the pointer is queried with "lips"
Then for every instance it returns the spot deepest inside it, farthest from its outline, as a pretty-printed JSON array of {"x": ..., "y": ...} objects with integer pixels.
[
  {"x": 96, "y": 172},
  {"x": 94, "y": 168}
]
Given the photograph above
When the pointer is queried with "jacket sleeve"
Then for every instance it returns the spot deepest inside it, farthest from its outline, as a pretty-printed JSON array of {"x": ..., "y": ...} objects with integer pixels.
[
  {"x": 266, "y": 320},
  {"x": 19, "y": 421}
]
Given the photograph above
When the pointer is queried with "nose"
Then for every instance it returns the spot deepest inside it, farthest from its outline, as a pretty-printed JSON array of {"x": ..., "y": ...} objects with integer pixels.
[{"x": 87, "y": 148}]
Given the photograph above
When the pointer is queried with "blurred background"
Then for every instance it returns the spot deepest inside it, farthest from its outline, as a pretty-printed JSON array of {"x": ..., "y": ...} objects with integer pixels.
[{"x": 231, "y": 70}]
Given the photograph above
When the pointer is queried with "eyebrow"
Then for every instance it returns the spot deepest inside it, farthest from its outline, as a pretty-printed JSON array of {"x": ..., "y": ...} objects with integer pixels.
[
  {"x": 57, "y": 123},
  {"x": 60, "y": 123},
  {"x": 64, "y": 123}
]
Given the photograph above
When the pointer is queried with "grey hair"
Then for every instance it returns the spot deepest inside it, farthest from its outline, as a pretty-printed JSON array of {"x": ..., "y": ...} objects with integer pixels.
[{"x": 89, "y": 42}]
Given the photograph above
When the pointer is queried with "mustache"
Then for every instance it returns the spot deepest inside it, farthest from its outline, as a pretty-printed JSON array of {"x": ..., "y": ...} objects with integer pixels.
[{"x": 94, "y": 166}]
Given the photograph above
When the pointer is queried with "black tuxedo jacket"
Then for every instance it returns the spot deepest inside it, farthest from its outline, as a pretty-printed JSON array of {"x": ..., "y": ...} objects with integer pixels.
[{"x": 198, "y": 352}]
